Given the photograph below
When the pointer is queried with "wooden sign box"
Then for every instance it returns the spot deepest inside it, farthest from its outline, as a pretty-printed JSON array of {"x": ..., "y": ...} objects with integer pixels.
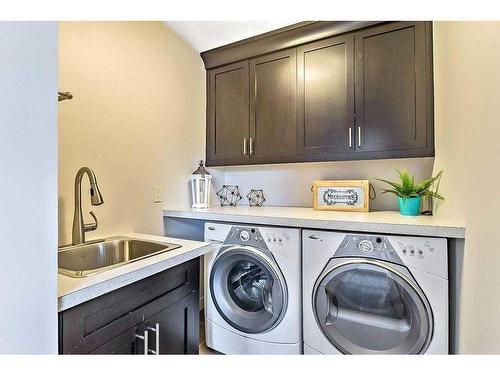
[{"x": 341, "y": 195}]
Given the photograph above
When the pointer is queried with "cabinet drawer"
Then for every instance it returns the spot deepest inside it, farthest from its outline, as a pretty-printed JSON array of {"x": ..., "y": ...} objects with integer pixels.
[
  {"x": 178, "y": 327},
  {"x": 88, "y": 326},
  {"x": 126, "y": 343}
]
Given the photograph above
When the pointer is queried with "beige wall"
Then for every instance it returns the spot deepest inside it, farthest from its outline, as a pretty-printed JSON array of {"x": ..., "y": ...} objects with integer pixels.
[
  {"x": 137, "y": 118},
  {"x": 467, "y": 99}
]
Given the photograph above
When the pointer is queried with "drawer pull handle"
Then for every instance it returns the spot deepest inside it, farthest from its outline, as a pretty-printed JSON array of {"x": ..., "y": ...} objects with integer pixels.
[
  {"x": 156, "y": 330},
  {"x": 146, "y": 339},
  {"x": 313, "y": 237}
]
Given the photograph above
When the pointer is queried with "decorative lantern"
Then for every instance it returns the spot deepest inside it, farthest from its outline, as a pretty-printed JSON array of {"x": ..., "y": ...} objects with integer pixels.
[{"x": 200, "y": 187}]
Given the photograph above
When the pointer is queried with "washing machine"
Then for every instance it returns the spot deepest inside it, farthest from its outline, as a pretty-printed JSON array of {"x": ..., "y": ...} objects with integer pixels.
[
  {"x": 374, "y": 294},
  {"x": 253, "y": 290}
]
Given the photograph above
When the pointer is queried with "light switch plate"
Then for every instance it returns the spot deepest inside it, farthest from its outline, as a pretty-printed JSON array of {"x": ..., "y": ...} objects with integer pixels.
[{"x": 158, "y": 194}]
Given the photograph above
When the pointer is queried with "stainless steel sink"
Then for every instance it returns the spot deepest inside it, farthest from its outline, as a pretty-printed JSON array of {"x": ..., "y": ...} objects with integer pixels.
[{"x": 91, "y": 258}]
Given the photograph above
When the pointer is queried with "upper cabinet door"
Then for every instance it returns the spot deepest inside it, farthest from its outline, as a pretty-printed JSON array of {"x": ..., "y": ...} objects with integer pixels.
[
  {"x": 325, "y": 111},
  {"x": 228, "y": 114},
  {"x": 393, "y": 82},
  {"x": 272, "y": 108}
]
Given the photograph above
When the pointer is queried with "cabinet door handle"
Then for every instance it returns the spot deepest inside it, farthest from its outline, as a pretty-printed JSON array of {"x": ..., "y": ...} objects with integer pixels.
[
  {"x": 244, "y": 146},
  {"x": 359, "y": 136},
  {"x": 251, "y": 146},
  {"x": 156, "y": 330},
  {"x": 313, "y": 237},
  {"x": 146, "y": 339},
  {"x": 350, "y": 137}
]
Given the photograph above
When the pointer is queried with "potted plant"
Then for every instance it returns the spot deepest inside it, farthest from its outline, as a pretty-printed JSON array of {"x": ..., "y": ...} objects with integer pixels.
[{"x": 409, "y": 193}]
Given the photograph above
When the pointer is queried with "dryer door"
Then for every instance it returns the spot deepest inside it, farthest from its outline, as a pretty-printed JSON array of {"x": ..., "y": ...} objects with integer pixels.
[
  {"x": 367, "y": 306},
  {"x": 248, "y": 289}
]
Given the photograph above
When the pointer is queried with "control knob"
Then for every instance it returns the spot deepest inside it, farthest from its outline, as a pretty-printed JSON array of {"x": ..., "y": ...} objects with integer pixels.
[
  {"x": 244, "y": 236},
  {"x": 365, "y": 246}
]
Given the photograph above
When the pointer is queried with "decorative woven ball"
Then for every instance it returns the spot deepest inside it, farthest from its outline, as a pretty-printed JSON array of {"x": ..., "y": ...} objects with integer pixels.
[
  {"x": 256, "y": 198},
  {"x": 229, "y": 195}
]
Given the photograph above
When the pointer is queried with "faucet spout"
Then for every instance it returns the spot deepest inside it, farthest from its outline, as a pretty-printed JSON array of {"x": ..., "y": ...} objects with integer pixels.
[{"x": 79, "y": 227}]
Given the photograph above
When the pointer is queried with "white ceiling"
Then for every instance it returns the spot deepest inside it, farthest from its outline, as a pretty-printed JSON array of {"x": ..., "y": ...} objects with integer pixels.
[{"x": 205, "y": 35}]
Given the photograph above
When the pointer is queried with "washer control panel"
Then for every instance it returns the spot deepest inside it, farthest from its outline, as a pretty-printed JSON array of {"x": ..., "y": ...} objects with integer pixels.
[
  {"x": 284, "y": 241},
  {"x": 246, "y": 236}
]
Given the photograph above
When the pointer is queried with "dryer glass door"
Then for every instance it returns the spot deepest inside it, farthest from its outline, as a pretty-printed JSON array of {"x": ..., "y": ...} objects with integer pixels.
[
  {"x": 372, "y": 307},
  {"x": 248, "y": 289}
]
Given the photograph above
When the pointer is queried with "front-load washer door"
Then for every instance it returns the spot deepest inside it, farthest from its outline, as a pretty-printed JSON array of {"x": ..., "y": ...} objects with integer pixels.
[
  {"x": 248, "y": 289},
  {"x": 366, "y": 306}
]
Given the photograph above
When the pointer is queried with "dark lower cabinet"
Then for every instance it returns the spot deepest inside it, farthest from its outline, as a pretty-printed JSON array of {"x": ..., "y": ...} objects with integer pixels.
[{"x": 159, "y": 313}]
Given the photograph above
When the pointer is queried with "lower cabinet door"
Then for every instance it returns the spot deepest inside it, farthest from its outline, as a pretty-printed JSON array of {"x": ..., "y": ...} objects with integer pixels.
[
  {"x": 175, "y": 329},
  {"x": 131, "y": 341}
]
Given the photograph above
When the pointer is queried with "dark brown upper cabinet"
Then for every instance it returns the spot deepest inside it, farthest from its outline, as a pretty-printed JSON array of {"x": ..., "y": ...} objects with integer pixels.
[
  {"x": 228, "y": 114},
  {"x": 325, "y": 111},
  {"x": 393, "y": 85},
  {"x": 322, "y": 91},
  {"x": 273, "y": 130}
]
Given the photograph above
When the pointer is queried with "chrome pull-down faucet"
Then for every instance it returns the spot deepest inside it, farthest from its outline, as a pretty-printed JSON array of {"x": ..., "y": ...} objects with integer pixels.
[{"x": 79, "y": 227}]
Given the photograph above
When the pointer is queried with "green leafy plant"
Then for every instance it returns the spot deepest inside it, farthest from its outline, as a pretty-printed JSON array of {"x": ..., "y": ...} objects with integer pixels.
[{"x": 409, "y": 189}]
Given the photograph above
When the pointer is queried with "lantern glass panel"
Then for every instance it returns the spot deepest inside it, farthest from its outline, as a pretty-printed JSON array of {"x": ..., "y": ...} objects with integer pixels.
[{"x": 200, "y": 190}]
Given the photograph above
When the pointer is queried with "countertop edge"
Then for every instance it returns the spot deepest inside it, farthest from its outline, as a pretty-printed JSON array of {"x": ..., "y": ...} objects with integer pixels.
[
  {"x": 74, "y": 298},
  {"x": 444, "y": 231}
]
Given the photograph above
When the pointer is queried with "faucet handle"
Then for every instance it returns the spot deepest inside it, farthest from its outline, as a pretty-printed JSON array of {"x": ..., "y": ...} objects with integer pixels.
[{"x": 92, "y": 226}]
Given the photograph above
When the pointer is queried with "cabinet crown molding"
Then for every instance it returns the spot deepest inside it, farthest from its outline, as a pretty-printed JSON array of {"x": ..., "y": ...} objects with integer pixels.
[{"x": 283, "y": 38}]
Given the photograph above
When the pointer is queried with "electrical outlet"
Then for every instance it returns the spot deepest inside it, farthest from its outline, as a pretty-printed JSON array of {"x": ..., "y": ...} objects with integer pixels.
[{"x": 158, "y": 194}]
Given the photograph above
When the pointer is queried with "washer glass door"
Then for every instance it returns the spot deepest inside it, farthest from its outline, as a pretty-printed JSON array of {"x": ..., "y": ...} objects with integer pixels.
[
  {"x": 248, "y": 289},
  {"x": 371, "y": 307}
]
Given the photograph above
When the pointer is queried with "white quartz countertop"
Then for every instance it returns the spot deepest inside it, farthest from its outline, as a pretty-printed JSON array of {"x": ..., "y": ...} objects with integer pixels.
[
  {"x": 73, "y": 291},
  {"x": 390, "y": 222}
]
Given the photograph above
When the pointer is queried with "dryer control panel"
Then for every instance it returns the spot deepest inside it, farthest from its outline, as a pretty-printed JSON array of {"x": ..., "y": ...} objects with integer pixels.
[
  {"x": 376, "y": 247},
  {"x": 427, "y": 254}
]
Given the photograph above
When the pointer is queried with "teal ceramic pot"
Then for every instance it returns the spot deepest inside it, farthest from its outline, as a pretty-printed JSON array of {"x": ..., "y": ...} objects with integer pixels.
[{"x": 409, "y": 206}]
